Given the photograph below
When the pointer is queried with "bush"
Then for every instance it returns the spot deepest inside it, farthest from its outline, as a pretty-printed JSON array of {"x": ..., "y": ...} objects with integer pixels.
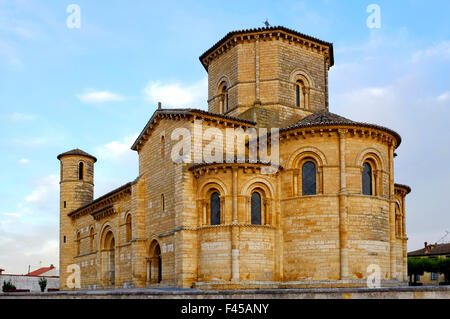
[
  {"x": 8, "y": 286},
  {"x": 417, "y": 266},
  {"x": 43, "y": 283}
]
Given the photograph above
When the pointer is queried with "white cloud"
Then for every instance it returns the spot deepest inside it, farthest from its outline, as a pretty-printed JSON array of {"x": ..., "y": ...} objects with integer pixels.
[
  {"x": 44, "y": 195},
  {"x": 16, "y": 116},
  {"x": 441, "y": 50},
  {"x": 117, "y": 151},
  {"x": 93, "y": 97},
  {"x": 175, "y": 94},
  {"x": 16, "y": 215},
  {"x": 34, "y": 246},
  {"x": 24, "y": 161},
  {"x": 444, "y": 97}
]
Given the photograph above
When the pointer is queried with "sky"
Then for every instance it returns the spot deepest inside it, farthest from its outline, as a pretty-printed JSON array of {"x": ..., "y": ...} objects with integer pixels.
[{"x": 95, "y": 87}]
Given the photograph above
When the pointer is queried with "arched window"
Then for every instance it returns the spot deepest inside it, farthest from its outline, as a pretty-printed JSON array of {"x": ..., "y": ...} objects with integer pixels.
[
  {"x": 301, "y": 91},
  {"x": 256, "y": 208},
  {"x": 398, "y": 221},
  {"x": 78, "y": 243},
  {"x": 91, "y": 239},
  {"x": 162, "y": 145},
  {"x": 223, "y": 98},
  {"x": 215, "y": 208},
  {"x": 299, "y": 87},
  {"x": 367, "y": 179},
  {"x": 309, "y": 179},
  {"x": 128, "y": 228},
  {"x": 80, "y": 171}
]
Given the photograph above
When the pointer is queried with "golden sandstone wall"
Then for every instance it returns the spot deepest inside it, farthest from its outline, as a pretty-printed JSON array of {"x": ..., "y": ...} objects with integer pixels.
[{"x": 156, "y": 230}]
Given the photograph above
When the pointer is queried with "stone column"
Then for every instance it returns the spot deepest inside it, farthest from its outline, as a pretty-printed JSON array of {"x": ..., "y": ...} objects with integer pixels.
[
  {"x": 235, "y": 230},
  {"x": 138, "y": 249},
  {"x": 343, "y": 250},
  {"x": 295, "y": 177},
  {"x": 391, "y": 212},
  {"x": 404, "y": 241}
]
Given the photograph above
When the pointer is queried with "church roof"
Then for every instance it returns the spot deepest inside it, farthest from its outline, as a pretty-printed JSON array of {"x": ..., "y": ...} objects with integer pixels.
[
  {"x": 231, "y": 34},
  {"x": 325, "y": 118},
  {"x": 405, "y": 187},
  {"x": 184, "y": 113},
  {"x": 78, "y": 152},
  {"x": 436, "y": 249}
]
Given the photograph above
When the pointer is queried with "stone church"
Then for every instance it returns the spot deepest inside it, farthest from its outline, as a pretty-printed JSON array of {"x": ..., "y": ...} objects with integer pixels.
[{"x": 329, "y": 216}]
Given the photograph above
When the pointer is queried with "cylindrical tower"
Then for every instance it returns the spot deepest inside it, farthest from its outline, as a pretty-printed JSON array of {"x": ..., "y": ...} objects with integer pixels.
[{"x": 76, "y": 190}]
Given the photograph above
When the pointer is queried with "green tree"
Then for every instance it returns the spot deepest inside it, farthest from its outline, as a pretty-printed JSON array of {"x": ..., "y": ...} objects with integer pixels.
[
  {"x": 43, "y": 283},
  {"x": 8, "y": 286},
  {"x": 416, "y": 267},
  {"x": 443, "y": 267}
]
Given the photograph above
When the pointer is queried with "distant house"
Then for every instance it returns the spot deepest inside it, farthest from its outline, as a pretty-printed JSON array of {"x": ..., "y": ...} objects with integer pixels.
[
  {"x": 431, "y": 251},
  {"x": 30, "y": 281},
  {"x": 44, "y": 271}
]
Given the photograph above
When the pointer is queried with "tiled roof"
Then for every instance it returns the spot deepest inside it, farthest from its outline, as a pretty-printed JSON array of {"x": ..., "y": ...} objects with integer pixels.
[
  {"x": 321, "y": 117},
  {"x": 185, "y": 112},
  {"x": 40, "y": 271},
  {"x": 324, "y": 118},
  {"x": 406, "y": 187},
  {"x": 437, "y": 249},
  {"x": 78, "y": 152},
  {"x": 274, "y": 28}
]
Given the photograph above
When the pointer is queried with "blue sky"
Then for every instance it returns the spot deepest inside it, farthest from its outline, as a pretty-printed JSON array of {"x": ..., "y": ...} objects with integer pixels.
[{"x": 95, "y": 88}]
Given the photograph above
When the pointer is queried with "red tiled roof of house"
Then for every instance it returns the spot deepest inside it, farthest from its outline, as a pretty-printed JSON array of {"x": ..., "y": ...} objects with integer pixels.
[{"x": 40, "y": 271}]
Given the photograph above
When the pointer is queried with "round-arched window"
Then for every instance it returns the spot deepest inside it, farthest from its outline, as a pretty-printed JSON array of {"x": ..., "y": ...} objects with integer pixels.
[
  {"x": 215, "y": 208},
  {"x": 309, "y": 179}
]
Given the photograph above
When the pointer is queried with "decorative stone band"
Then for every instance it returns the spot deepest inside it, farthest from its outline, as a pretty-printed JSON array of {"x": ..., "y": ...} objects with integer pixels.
[
  {"x": 213, "y": 168},
  {"x": 103, "y": 212},
  {"x": 354, "y": 130},
  {"x": 102, "y": 202}
]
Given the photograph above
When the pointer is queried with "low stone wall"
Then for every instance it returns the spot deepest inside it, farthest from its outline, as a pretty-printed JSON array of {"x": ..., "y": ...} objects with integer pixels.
[
  {"x": 29, "y": 282},
  {"x": 427, "y": 292}
]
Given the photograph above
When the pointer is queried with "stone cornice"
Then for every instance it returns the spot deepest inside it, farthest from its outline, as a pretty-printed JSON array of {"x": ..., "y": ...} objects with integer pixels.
[
  {"x": 103, "y": 212},
  {"x": 213, "y": 168},
  {"x": 402, "y": 189},
  {"x": 264, "y": 34},
  {"x": 100, "y": 203},
  {"x": 360, "y": 130}
]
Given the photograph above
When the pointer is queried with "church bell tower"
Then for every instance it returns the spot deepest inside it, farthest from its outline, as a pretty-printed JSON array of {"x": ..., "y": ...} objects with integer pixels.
[
  {"x": 273, "y": 76},
  {"x": 76, "y": 190}
]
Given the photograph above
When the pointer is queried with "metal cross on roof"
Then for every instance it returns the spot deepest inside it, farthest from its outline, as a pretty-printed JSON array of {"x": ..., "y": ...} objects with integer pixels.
[{"x": 266, "y": 23}]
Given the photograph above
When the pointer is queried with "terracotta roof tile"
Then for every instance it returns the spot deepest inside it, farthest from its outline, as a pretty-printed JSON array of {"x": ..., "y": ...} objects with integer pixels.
[
  {"x": 78, "y": 152},
  {"x": 324, "y": 118},
  {"x": 40, "y": 271},
  {"x": 439, "y": 249}
]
